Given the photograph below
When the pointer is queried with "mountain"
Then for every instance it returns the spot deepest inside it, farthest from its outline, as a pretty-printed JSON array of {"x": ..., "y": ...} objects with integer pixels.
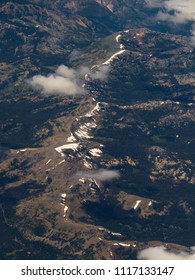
[
  {"x": 38, "y": 36},
  {"x": 41, "y": 31},
  {"x": 108, "y": 171}
]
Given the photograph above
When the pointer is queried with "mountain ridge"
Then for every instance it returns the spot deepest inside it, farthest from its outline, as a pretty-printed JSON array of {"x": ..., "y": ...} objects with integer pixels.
[{"x": 134, "y": 125}]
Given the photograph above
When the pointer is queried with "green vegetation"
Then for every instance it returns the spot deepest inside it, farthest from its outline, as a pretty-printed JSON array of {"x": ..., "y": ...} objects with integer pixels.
[
  {"x": 98, "y": 52},
  {"x": 158, "y": 139}
]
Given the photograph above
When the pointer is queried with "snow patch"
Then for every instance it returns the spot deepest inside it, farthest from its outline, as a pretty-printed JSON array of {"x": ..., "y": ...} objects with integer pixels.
[
  {"x": 87, "y": 77},
  {"x": 65, "y": 211},
  {"x": 83, "y": 134},
  {"x": 150, "y": 203},
  {"x": 63, "y": 195},
  {"x": 95, "y": 152},
  {"x": 56, "y": 165},
  {"x": 83, "y": 131},
  {"x": 23, "y": 150},
  {"x": 48, "y": 161},
  {"x": 72, "y": 146},
  {"x": 87, "y": 164},
  {"x": 60, "y": 162},
  {"x": 137, "y": 204},
  {"x": 98, "y": 186},
  {"x": 95, "y": 182},
  {"x": 113, "y": 56},
  {"x": 82, "y": 180},
  {"x": 124, "y": 245},
  {"x": 116, "y": 234},
  {"x": 91, "y": 125},
  {"x": 118, "y": 37},
  {"x": 71, "y": 138},
  {"x": 92, "y": 112}
]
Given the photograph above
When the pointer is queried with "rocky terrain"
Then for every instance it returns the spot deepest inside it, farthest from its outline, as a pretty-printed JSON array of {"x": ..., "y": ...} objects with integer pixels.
[{"x": 105, "y": 174}]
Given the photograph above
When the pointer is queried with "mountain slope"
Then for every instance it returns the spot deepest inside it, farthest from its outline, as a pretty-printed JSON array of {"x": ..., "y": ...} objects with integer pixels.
[{"x": 104, "y": 174}]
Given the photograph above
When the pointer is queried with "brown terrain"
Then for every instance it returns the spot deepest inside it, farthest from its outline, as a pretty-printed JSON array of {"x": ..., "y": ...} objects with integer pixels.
[{"x": 138, "y": 122}]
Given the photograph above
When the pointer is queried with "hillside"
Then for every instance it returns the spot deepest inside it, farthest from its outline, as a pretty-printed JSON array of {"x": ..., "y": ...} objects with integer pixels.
[{"x": 97, "y": 131}]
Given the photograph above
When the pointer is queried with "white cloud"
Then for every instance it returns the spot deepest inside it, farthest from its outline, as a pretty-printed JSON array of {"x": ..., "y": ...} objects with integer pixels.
[
  {"x": 74, "y": 55},
  {"x": 161, "y": 253},
  {"x": 177, "y": 11},
  {"x": 53, "y": 84},
  {"x": 66, "y": 72},
  {"x": 182, "y": 10},
  {"x": 101, "y": 174},
  {"x": 65, "y": 81}
]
